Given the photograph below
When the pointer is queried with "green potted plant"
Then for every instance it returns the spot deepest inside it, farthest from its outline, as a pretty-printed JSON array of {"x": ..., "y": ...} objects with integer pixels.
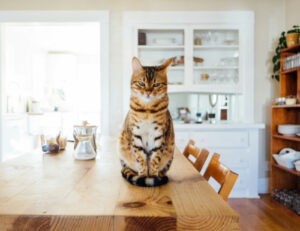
[
  {"x": 292, "y": 36},
  {"x": 276, "y": 57},
  {"x": 288, "y": 39}
]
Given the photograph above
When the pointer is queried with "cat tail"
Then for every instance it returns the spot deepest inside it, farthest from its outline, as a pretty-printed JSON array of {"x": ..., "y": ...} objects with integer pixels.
[{"x": 142, "y": 181}]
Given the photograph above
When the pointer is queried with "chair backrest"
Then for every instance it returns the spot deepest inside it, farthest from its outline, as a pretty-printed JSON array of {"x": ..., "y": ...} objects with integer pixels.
[
  {"x": 200, "y": 156},
  {"x": 223, "y": 175}
]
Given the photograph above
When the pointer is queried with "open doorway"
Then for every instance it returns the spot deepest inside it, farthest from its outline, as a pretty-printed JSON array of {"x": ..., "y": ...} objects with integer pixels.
[{"x": 50, "y": 81}]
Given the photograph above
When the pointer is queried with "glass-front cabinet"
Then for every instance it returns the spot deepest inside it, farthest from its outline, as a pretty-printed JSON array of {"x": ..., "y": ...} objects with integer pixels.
[
  {"x": 155, "y": 46},
  {"x": 211, "y": 76}
]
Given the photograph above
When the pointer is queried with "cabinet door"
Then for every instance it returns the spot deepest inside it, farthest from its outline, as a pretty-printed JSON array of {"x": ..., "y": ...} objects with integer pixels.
[
  {"x": 220, "y": 139},
  {"x": 181, "y": 140},
  {"x": 216, "y": 58}
]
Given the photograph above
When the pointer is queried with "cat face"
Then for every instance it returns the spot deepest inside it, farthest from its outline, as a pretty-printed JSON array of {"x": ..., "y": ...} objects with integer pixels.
[{"x": 149, "y": 83}]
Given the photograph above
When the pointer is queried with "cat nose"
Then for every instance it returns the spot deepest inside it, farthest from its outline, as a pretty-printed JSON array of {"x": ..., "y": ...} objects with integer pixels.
[{"x": 148, "y": 93}]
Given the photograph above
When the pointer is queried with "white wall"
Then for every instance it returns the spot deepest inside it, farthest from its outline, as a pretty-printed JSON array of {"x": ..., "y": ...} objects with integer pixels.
[
  {"x": 292, "y": 15},
  {"x": 269, "y": 22}
]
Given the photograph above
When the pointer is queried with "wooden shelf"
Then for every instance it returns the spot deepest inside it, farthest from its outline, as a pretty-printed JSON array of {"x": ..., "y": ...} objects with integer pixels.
[
  {"x": 291, "y": 49},
  {"x": 291, "y": 138},
  {"x": 289, "y": 71},
  {"x": 291, "y": 171},
  {"x": 287, "y": 106},
  {"x": 282, "y": 177}
]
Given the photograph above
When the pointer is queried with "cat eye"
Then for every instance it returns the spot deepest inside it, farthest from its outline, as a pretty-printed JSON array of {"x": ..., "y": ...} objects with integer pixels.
[
  {"x": 156, "y": 85},
  {"x": 142, "y": 84}
]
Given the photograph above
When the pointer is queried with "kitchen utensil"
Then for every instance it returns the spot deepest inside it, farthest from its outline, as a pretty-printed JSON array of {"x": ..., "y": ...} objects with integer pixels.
[
  {"x": 142, "y": 38},
  {"x": 223, "y": 114},
  {"x": 62, "y": 143},
  {"x": 164, "y": 41},
  {"x": 286, "y": 157},
  {"x": 212, "y": 117},
  {"x": 280, "y": 101},
  {"x": 199, "y": 118},
  {"x": 183, "y": 114},
  {"x": 50, "y": 143},
  {"x": 198, "y": 41},
  {"x": 286, "y": 151},
  {"x": 297, "y": 165},
  {"x": 288, "y": 129},
  {"x": 204, "y": 76},
  {"x": 213, "y": 100},
  {"x": 85, "y": 141},
  {"x": 291, "y": 100},
  {"x": 287, "y": 160},
  {"x": 35, "y": 107}
]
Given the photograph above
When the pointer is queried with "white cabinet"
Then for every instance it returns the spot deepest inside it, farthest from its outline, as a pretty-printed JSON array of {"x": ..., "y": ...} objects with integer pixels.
[
  {"x": 214, "y": 49},
  {"x": 215, "y": 56},
  {"x": 238, "y": 147}
]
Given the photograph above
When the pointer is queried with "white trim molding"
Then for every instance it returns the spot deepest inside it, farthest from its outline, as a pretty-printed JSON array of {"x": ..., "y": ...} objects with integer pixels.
[{"x": 101, "y": 17}]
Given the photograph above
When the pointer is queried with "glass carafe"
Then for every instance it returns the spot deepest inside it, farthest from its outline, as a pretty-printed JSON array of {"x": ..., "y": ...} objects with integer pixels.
[{"x": 85, "y": 144}]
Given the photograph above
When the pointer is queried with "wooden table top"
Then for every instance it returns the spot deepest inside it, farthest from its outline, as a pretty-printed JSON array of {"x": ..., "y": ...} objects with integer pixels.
[{"x": 56, "y": 192}]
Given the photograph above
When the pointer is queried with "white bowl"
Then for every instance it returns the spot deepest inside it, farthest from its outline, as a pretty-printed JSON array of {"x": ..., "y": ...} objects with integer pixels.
[
  {"x": 288, "y": 129},
  {"x": 287, "y": 160},
  {"x": 297, "y": 165}
]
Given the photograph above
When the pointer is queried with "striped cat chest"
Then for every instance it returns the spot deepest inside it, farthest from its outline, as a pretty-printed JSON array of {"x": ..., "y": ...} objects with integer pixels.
[{"x": 148, "y": 134}]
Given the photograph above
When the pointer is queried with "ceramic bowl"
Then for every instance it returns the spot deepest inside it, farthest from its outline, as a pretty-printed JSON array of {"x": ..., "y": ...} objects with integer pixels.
[{"x": 288, "y": 129}]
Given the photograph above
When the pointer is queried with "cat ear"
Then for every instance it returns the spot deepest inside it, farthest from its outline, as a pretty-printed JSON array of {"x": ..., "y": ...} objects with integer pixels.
[
  {"x": 136, "y": 66},
  {"x": 166, "y": 64}
]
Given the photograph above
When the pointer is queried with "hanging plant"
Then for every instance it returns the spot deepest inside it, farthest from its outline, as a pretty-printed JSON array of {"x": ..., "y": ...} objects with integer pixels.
[
  {"x": 276, "y": 57},
  {"x": 282, "y": 43}
]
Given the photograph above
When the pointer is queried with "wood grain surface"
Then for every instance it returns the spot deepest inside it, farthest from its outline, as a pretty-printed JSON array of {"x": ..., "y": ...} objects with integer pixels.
[{"x": 56, "y": 192}]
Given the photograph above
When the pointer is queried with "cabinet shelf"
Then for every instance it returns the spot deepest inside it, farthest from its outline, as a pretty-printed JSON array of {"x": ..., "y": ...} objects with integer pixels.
[
  {"x": 291, "y": 171},
  {"x": 282, "y": 177},
  {"x": 216, "y": 46},
  {"x": 176, "y": 68},
  {"x": 291, "y": 49},
  {"x": 157, "y": 47},
  {"x": 295, "y": 106},
  {"x": 205, "y": 88},
  {"x": 290, "y": 138},
  {"x": 215, "y": 67},
  {"x": 290, "y": 71}
]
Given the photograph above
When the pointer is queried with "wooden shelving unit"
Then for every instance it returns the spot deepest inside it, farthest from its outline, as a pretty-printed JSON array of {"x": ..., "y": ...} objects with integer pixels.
[{"x": 281, "y": 177}]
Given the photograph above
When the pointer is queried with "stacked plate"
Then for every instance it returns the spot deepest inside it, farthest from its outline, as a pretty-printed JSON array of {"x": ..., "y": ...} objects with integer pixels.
[{"x": 289, "y": 129}]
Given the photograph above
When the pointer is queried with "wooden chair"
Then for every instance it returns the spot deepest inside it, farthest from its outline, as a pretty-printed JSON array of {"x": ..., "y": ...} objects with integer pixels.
[
  {"x": 223, "y": 175},
  {"x": 199, "y": 155}
]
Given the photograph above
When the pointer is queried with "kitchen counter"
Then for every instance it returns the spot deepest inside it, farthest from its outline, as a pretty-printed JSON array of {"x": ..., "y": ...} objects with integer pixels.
[
  {"x": 218, "y": 126},
  {"x": 237, "y": 143}
]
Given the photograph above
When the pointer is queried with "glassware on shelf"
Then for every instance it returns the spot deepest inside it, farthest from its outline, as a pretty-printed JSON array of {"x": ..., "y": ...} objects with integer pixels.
[
  {"x": 291, "y": 62},
  {"x": 214, "y": 38},
  {"x": 198, "y": 41},
  {"x": 230, "y": 38},
  {"x": 209, "y": 38}
]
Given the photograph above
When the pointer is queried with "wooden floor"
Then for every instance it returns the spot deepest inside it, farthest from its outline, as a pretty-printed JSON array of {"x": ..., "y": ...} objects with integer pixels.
[{"x": 264, "y": 214}]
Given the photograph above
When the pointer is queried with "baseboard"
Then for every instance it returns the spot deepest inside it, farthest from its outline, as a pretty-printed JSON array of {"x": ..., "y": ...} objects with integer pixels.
[{"x": 263, "y": 185}]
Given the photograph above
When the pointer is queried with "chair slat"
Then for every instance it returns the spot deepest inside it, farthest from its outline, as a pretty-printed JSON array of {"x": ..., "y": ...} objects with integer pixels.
[
  {"x": 199, "y": 155},
  {"x": 222, "y": 174}
]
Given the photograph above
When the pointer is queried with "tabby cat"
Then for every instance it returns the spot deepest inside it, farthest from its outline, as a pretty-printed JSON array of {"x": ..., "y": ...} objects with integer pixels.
[{"x": 146, "y": 142}]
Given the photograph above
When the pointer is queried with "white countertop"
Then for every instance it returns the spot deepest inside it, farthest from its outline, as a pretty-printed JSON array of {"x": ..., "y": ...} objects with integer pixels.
[{"x": 218, "y": 126}]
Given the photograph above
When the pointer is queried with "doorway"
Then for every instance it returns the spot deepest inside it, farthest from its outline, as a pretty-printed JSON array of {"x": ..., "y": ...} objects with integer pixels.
[{"x": 50, "y": 80}]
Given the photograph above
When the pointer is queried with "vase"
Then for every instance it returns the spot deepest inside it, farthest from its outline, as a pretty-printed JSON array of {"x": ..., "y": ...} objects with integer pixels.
[{"x": 292, "y": 39}]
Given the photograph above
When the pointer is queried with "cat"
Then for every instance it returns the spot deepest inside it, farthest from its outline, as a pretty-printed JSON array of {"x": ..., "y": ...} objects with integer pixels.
[{"x": 146, "y": 142}]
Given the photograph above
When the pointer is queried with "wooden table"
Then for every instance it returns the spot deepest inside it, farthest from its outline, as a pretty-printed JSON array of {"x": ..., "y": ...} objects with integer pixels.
[{"x": 55, "y": 192}]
